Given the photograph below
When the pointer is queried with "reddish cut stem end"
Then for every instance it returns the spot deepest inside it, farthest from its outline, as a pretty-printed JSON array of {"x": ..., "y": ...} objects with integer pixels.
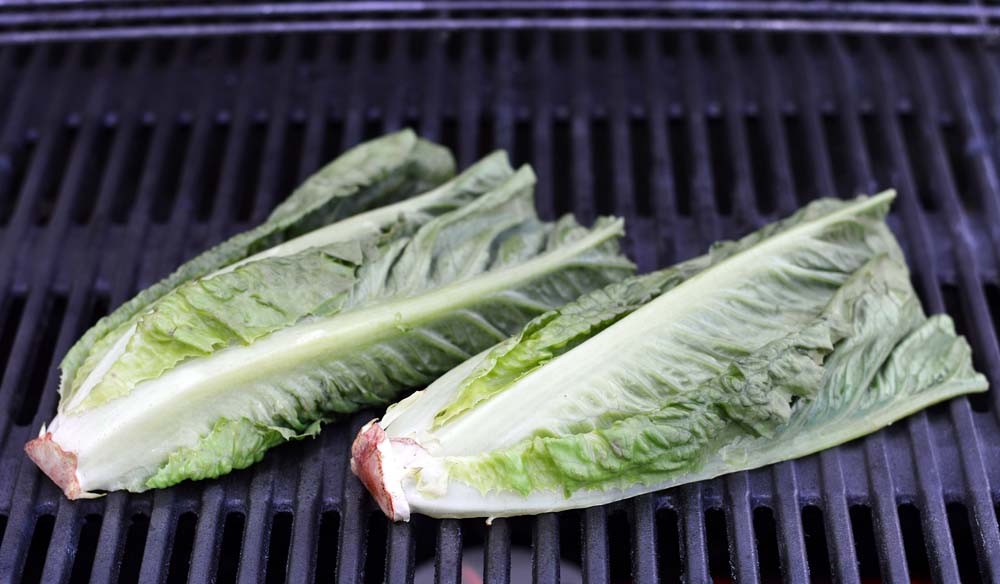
[
  {"x": 59, "y": 465},
  {"x": 373, "y": 463}
]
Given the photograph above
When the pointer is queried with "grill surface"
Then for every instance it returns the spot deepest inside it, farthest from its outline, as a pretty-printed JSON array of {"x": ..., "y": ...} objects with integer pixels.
[{"x": 118, "y": 161}]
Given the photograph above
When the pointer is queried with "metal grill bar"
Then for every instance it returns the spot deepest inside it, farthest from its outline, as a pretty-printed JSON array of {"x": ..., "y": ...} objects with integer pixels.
[
  {"x": 793, "y": 557},
  {"x": 68, "y": 524},
  {"x": 691, "y": 137},
  {"x": 862, "y": 27},
  {"x": 167, "y": 506},
  {"x": 27, "y": 341},
  {"x": 974, "y": 311},
  {"x": 880, "y": 479},
  {"x": 928, "y": 475},
  {"x": 839, "y": 534},
  {"x": 92, "y": 15}
]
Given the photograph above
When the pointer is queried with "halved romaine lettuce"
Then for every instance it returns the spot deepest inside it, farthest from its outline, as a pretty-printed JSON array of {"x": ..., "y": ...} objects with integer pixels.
[
  {"x": 796, "y": 338},
  {"x": 207, "y": 376}
]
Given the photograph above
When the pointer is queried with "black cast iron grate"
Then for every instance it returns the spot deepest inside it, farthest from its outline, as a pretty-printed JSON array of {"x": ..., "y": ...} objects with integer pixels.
[{"x": 119, "y": 159}]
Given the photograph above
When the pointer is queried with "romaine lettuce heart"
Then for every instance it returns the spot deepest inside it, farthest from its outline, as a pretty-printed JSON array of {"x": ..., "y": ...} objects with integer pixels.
[
  {"x": 263, "y": 347},
  {"x": 798, "y": 337}
]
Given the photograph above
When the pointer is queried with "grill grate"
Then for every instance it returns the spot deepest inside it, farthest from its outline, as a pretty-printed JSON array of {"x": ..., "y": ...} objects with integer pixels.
[{"x": 120, "y": 159}]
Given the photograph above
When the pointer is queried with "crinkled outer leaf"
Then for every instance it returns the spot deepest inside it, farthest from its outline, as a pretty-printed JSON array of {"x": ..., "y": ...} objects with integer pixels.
[
  {"x": 796, "y": 338},
  {"x": 378, "y": 172},
  {"x": 234, "y": 308},
  {"x": 269, "y": 291},
  {"x": 455, "y": 285},
  {"x": 231, "y": 445}
]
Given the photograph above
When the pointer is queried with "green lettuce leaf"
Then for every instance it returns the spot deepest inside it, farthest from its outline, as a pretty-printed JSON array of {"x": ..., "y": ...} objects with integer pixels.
[
  {"x": 231, "y": 445},
  {"x": 798, "y": 337},
  {"x": 381, "y": 171},
  {"x": 308, "y": 276}
]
